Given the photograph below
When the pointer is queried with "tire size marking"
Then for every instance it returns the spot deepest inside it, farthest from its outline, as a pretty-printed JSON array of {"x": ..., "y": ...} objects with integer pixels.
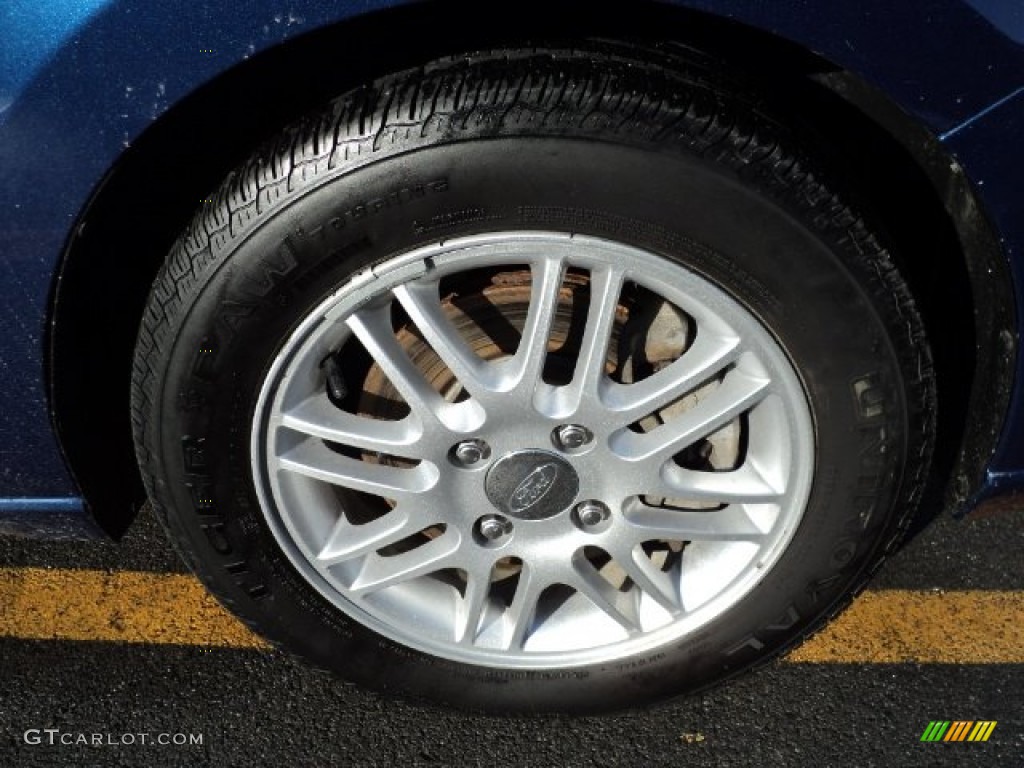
[
  {"x": 454, "y": 219},
  {"x": 640, "y": 663},
  {"x": 375, "y": 206}
]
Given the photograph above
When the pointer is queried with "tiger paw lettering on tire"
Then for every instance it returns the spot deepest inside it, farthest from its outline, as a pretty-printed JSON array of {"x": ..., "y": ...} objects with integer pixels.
[{"x": 533, "y": 381}]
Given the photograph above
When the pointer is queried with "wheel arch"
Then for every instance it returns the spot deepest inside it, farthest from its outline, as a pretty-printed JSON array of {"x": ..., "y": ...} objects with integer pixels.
[{"x": 131, "y": 220}]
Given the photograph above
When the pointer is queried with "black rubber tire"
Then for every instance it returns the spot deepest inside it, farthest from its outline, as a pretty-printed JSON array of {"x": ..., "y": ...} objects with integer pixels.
[{"x": 627, "y": 148}]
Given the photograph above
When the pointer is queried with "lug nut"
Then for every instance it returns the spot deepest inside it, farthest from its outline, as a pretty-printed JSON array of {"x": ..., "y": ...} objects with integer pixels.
[
  {"x": 470, "y": 452},
  {"x": 572, "y": 436},
  {"x": 591, "y": 513},
  {"x": 494, "y": 527},
  {"x": 491, "y": 529}
]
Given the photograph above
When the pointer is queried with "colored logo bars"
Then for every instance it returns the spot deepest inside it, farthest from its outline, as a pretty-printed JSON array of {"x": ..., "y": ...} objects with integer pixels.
[{"x": 959, "y": 730}]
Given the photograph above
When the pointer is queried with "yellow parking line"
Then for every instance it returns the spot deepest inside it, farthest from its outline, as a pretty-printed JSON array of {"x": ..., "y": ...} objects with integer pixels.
[
  {"x": 884, "y": 627},
  {"x": 895, "y": 626},
  {"x": 123, "y": 606}
]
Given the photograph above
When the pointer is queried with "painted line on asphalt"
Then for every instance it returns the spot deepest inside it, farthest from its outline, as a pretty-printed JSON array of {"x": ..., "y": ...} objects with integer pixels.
[
  {"x": 883, "y": 627},
  {"x": 119, "y": 606},
  {"x": 925, "y": 627}
]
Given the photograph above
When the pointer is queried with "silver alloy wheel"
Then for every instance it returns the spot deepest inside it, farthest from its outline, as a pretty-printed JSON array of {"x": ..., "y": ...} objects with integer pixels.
[{"x": 512, "y": 517}]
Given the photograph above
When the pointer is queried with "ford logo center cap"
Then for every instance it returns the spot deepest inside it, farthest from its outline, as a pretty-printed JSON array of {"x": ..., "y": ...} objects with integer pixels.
[{"x": 532, "y": 485}]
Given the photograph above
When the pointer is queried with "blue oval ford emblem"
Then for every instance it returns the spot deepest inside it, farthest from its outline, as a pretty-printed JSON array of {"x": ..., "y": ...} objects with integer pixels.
[{"x": 533, "y": 488}]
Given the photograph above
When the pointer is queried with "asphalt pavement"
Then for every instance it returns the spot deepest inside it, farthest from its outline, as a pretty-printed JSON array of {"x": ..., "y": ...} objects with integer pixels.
[{"x": 104, "y": 703}]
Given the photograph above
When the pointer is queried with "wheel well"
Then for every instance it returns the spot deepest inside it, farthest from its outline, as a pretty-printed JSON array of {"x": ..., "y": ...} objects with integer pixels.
[{"x": 944, "y": 243}]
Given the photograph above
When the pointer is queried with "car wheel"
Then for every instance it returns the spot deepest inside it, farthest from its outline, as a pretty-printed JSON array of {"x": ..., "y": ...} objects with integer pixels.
[{"x": 534, "y": 380}]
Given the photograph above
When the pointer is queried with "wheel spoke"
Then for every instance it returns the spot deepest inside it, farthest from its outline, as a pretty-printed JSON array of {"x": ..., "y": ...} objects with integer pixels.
[
  {"x": 379, "y": 572},
  {"x": 744, "y": 485},
  {"x": 313, "y": 459},
  {"x": 372, "y": 326},
  {"x": 647, "y": 577},
  {"x": 737, "y": 393},
  {"x": 619, "y": 606},
  {"x": 518, "y": 617},
  {"x": 605, "y": 286},
  {"x": 708, "y": 355},
  {"x": 421, "y": 302},
  {"x": 526, "y": 366},
  {"x": 316, "y": 416},
  {"x": 655, "y": 523},
  {"x": 347, "y": 541},
  {"x": 470, "y": 609}
]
